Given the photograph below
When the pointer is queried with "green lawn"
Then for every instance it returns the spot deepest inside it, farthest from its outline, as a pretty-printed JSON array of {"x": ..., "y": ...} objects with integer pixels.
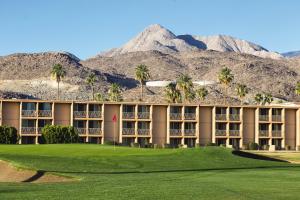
[{"x": 132, "y": 173}]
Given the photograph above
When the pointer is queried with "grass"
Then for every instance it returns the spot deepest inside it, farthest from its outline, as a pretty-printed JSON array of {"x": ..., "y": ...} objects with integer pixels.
[
  {"x": 131, "y": 173},
  {"x": 293, "y": 157}
]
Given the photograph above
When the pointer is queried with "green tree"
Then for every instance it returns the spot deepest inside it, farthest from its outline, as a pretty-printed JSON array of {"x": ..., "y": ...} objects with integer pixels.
[
  {"x": 90, "y": 80},
  {"x": 258, "y": 98},
  {"x": 241, "y": 91},
  {"x": 268, "y": 98},
  {"x": 114, "y": 92},
  {"x": 225, "y": 77},
  {"x": 99, "y": 97},
  {"x": 202, "y": 93},
  {"x": 58, "y": 73},
  {"x": 297, "y": 89},
  {"x": 185, "y": 84},
  {"x": 172, "y": 94},
  {"x": 142, "y": 74}
]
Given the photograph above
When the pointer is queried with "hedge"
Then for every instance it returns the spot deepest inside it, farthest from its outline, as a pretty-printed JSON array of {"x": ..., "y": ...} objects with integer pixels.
[
  {"x": 53, "y": 134},
  {"x": 8, "y": 135}
]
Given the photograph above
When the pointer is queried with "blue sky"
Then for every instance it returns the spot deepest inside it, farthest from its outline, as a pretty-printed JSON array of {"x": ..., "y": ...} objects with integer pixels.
[{"x": 87, "y": 27}]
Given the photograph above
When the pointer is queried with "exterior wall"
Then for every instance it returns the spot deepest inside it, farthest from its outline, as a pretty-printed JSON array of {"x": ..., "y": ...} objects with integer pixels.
[
  {"x": 63, "y": 114},
  {"x": 159, "y": 124},
  {"x": 111, "y": 129},
  {"x": 290, "y": 128},
  {"x": 248, "y": 125},
  {"x": 205, "y": 125},
  {"x": 11, "y": 114}
]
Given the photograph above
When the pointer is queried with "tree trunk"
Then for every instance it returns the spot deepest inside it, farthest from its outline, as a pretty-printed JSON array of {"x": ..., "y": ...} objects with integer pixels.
[
  {"x": 93, "y": 95},
  {"x": 142, "y": 92},
  {"x": 57, "y": 90}
]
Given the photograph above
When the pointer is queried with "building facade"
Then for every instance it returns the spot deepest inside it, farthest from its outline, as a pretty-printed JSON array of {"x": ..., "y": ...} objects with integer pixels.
[{"x": 277, "y": 127}]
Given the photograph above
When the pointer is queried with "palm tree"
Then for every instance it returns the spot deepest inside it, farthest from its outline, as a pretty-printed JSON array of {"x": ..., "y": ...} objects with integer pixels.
[
  {"x": 142, "y": 75},
  {"x": 268, "y": 98},
  {"x": 258, "y": 98},
  {"x": 185, "y": 84},
  {"x": 297, "y": 89},
  {"x": 58, "y": 73},
  {"x": 91, "y": 79},
  {"x": 225, "y": 77},
  {"x": 99, "y": 97},
  {"x": 114, "y": 92},
  {"x": 202, "y": 93},
  {"x": 172, "y": 93},
  {"x": 241, "y": 91}
]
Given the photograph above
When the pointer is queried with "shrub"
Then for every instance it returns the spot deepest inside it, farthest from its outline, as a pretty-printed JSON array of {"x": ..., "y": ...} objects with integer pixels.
[
  {"x": 53, "y": 134},
  {"x": 210, "y": 144},
  {"x": 222, "y": 145},
  {"x": 253, "y": 146},
  {"x": 132, "y": 144},
  {"x": 8, "y": 135}
]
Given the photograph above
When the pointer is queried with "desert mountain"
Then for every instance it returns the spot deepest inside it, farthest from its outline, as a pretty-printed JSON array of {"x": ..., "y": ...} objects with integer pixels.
[
  {"x": 292, "y": 54},
  {"x": 157, "y": 38}
]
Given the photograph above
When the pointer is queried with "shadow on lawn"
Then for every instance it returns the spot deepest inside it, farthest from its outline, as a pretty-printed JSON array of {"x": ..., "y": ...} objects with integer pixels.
[{"x": 256, "y": 156}]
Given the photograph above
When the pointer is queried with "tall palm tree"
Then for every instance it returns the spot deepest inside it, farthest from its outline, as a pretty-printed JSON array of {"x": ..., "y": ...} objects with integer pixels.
[
  {"x": 225, "y": 77},
  {"x": 202, "y": 93},
  {"x": 258, "y": 98},
  {"x": 241, "y": 91},
  {"x": 297, "y": 89},
  {"x": 58, "y": 73},
  {"x": 172, "y": 93},
  {"x": 142, "y": 74},
  {"x": 91, "y": 79},
  {"x": 114, "y": 92},
  {"x": 185, "y": 84}
]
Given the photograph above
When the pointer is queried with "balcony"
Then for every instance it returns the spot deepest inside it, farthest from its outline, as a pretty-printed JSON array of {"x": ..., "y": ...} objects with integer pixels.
[
  {"x": 276, "y": 118},
  {"x": 144, "y": 115},
  {"x": 175, "y": 116},
  {"x": 263, "y": 117},
  {"x": 95, "y": 114},
  {"x": 190, "y": 116},
  {"x": 263, "y": 133},
  {"x": 234, "y": 117},
  {"x": 79, "y": 114},
  {"x": 277, "y": 133},
  {"x": 128, "y": 131},
  {"x": 221, "y": 117},
  {"x": 81, "y": 131},
  {"x": 95, "y": 131},
  {"x": 29, "y": 113},
  {"x": 143, "y": 131},
  {"x": 175, "y": 132},
  {"x": 189, "y": 132},
  {"x": 45, "y": 113},
  {"x": 28, "y": 130},
  {"x": 234, "y": 132},
  {"x": 128, "y": 115},
  {"x": 220, "y": 132}
]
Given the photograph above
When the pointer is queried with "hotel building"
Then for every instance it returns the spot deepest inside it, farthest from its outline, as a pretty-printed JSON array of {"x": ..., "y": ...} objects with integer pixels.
[{"x": 143, "y": 123}]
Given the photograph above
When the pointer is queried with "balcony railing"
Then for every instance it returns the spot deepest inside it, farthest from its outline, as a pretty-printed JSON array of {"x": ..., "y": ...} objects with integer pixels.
[
  {"x": 175, "y": 132},
  {"x": 143, "y": 131},
  {"x": 81, "y": 131},
  {"x": 263, "y": 117},
  {"x": 175, "y": 116},
  {"x": 28, "y": 130},
  {"x": 128, "y": 131},
  {"x": 79, "y": 114},
  {"x": 128, "y": 115},
  {"x": 234, "y": 132},
  {"x": 277, "y": 133},
  {"x": 220, "y": 116},
  {"x": 45, "y": 113},
  {"x": 95, "y": 114},
  {"x": 276, "y": 118},
  {"x": 143, "y": 115},
  {"x": 234, "y": 117},
  {"x": 29, "y": 113},
  {"x": 264, "y": 133},
  {"x": 189, "y": 132},
  {"x": 220, "y": 132},
  {"x": 190, "y": 116},
  {"x": 95, "y": 131}
]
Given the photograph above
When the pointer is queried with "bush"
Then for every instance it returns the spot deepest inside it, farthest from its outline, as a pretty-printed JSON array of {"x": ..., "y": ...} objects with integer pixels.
[
  {"x": 53, "y": 134},
  {"x": 8, "y": 135},
  {"x": 223, "y": 145},
  {"x": 210, "y": 144},
  {"x": 253, "y": 146}
]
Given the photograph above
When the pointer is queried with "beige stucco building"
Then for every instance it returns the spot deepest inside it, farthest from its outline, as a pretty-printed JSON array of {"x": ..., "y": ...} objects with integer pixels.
[{"x": 173, "y": 124}]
